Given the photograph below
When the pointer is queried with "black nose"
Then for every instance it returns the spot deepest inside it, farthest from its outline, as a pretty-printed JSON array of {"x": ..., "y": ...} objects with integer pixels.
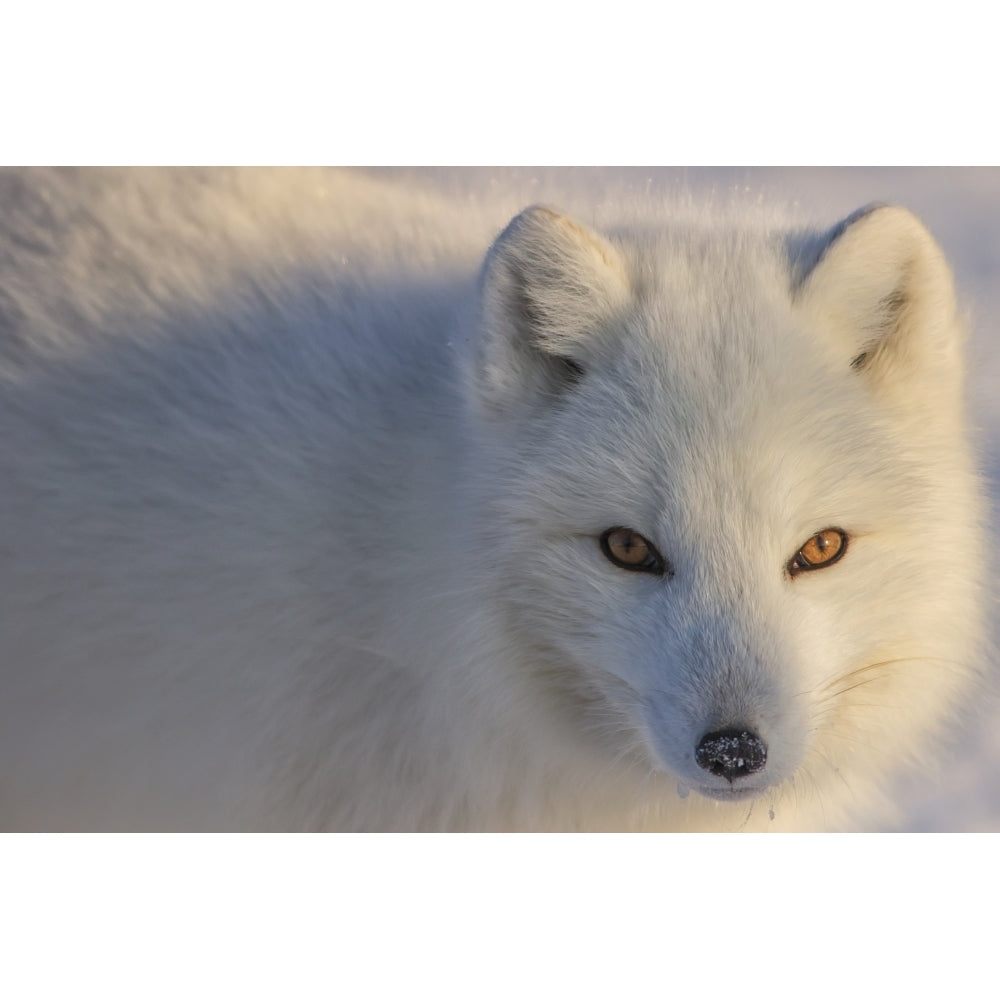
[{"x": 731, "y": 753}]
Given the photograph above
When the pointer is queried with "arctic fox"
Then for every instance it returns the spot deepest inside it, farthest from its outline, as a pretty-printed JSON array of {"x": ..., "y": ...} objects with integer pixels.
[{"x": 312, "y": 519}]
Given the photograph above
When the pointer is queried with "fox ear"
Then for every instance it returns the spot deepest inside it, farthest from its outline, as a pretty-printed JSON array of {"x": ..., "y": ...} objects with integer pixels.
[
  {"x": 883, "y": 288},
  {"x": 549, "y": 286}
]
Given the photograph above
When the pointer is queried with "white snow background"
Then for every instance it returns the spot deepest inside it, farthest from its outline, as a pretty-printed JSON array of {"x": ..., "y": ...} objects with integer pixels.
[{"x": 960, "y": 788}]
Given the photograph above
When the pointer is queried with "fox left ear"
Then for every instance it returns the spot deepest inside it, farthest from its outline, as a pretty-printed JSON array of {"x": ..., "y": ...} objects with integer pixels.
[
  {"x": 549, "y": 289},
  {"x": 882, "y": 287}
]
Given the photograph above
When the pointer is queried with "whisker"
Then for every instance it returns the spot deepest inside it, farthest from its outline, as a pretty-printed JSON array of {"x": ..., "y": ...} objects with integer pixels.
[
  {"x": 837, "y": 692},
  {"x": 859, "y": 672},
  {"x": 841, "y": 685}
]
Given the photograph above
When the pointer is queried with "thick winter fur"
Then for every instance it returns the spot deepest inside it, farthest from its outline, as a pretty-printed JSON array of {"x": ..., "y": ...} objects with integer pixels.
[{"x": 301, "y": 507}]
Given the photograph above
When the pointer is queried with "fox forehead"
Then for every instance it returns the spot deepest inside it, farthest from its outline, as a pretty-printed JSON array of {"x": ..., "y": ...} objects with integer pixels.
[{"x": 676, "y": 451}]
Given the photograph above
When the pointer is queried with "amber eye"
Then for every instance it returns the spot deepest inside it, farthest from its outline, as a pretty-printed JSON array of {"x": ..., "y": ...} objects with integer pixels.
[
  {"x": 629, "y": 550},
  {"x": 823, "y": 549}
]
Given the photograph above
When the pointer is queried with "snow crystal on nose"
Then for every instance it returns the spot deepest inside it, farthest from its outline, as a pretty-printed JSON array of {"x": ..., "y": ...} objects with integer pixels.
[{"x": 731, "y": 754}]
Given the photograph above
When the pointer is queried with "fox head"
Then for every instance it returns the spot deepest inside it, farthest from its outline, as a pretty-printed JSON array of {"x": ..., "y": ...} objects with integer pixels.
[{"x": 734, "y": 519}]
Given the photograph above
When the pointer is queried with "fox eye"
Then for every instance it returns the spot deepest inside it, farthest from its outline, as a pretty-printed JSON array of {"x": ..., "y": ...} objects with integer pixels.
[
  {"x": 823, "y": 549},
  {"x": 629, "y": 550}
]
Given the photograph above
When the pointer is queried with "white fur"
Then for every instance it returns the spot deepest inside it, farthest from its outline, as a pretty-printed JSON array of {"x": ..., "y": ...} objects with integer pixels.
[{"x": 300, "y": 517}]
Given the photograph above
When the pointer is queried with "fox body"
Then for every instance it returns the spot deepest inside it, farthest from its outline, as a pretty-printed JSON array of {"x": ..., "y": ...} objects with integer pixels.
[{"x": 313, "y": 519}]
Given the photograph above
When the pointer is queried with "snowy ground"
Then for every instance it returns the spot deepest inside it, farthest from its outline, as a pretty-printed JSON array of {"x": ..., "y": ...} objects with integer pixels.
[{"x": 961, "y": 206}]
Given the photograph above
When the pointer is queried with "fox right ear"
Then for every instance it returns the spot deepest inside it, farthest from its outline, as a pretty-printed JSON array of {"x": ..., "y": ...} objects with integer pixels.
[
  {"x": 884, "y": 290},
  {"x": 549, "y": 285}
]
